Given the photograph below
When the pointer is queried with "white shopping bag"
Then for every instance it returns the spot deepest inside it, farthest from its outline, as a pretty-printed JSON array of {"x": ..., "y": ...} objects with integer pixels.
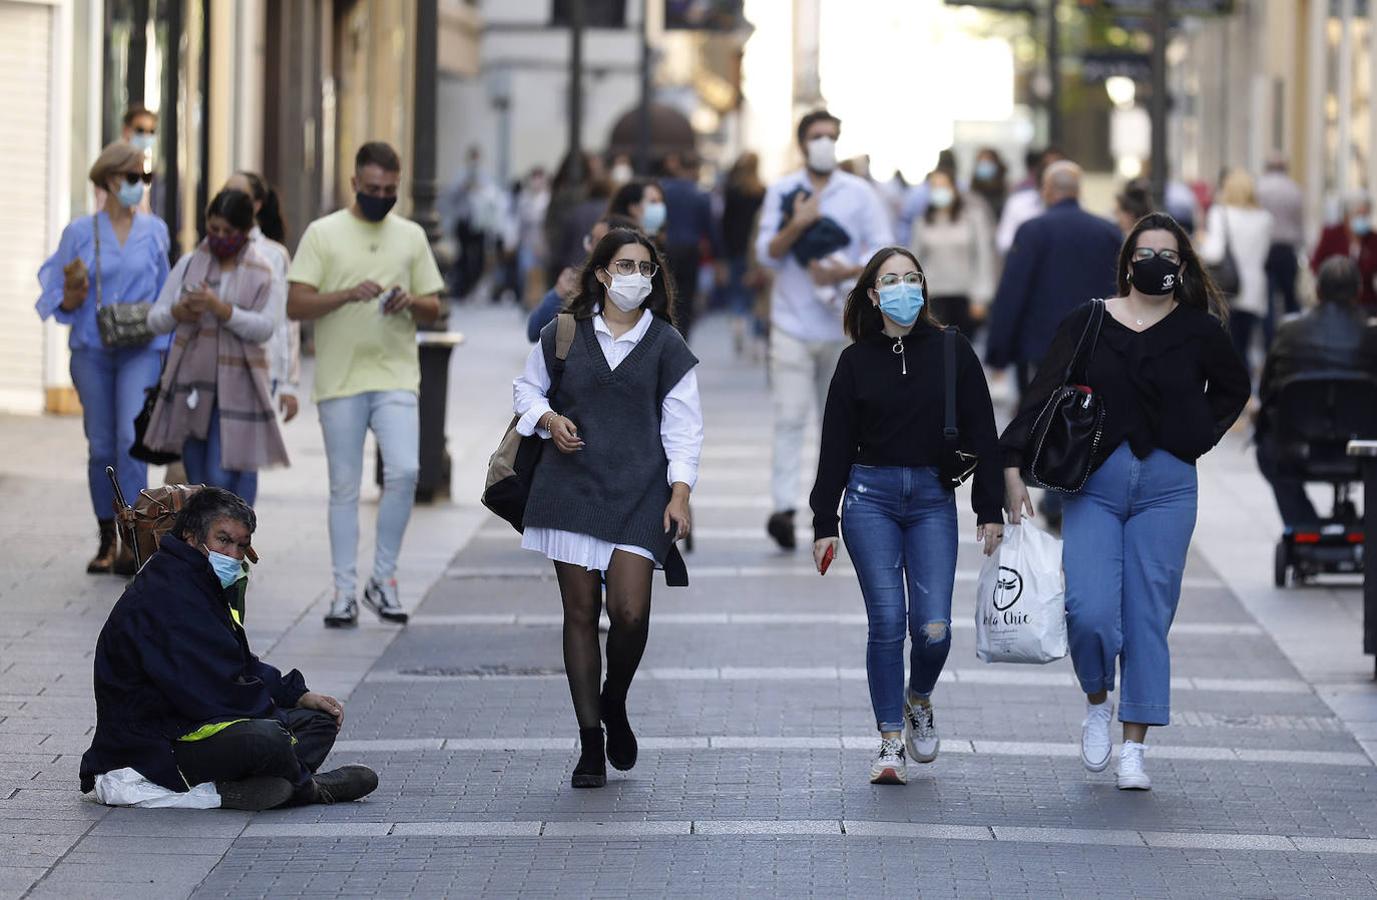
[
  {"x": 1020, "y": 607},
  {"x": 126, "y": 787}
]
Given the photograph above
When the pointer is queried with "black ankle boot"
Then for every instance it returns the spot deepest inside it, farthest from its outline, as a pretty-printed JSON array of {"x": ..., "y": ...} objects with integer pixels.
[
  {"x": 591, "y": 772},
  {"x": 621, "y": 741},
  {"x": 104, "y": 559}
]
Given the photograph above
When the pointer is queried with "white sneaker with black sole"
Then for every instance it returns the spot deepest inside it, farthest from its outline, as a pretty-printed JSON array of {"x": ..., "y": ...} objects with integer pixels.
[
  {"x": 889, "y": 766},
  {"x": 381, "y": 597},
  {"x": 920, "y": 732},
  {"x": 1096, "y": 744},
  {"x": 344, "y": 612},
  {"x": 1132, "y": 775}
]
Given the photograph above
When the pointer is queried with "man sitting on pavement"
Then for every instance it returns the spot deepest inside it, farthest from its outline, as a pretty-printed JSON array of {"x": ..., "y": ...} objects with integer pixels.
[
  {"x": 1334, "y": 336},
  {"x": 182, "y": 700}
]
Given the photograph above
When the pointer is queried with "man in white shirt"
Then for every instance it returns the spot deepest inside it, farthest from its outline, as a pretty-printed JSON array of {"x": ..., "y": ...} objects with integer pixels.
[
  {"x": 1025, "y": 203},
  {"x": 808, "y": 296}
]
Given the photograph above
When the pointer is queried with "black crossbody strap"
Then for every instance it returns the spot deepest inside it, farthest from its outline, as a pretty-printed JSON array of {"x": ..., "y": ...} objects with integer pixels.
[
  {"x": 949, "y": 429},
  {"x": 1085, "y": 347}
]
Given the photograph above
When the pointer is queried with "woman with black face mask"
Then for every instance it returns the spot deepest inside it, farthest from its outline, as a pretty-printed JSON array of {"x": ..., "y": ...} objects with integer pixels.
[
  {"x": 1171, "y": 384},
  {"x": 215, "y": 402}
]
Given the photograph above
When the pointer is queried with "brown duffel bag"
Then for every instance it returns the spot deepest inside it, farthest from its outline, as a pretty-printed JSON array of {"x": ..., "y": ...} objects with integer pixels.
[{"x": 154, "y": 511}]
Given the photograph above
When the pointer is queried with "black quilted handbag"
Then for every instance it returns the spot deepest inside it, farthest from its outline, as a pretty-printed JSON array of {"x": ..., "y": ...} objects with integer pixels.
[{"x": 1067, "y": 433}]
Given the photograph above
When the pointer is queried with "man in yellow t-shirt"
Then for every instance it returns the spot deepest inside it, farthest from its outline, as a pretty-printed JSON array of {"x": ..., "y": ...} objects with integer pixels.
[{"x": 366, "y": 277}]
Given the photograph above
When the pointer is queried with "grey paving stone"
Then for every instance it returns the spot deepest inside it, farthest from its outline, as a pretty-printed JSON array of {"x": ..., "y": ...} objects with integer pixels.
[
  {"x": 923, "y": 830},
  {"x": 1218, "y": 841},
  {"x": 349, "y": 829},
  {"x": 467, "y": 829},
  {"x": 617, "y": 829},
  {"x": 759, "y": 827},
  {"x": 1106, "y": 836}
]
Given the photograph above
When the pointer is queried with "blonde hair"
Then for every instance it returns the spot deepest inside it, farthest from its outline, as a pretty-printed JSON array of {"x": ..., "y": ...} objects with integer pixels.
[
  {"x": 1237, "y": 189},
  {"x": 115, "y": 158}
]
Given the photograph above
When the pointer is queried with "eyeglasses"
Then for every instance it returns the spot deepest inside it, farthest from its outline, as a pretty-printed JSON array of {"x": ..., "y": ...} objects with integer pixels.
[
  {"x": 144, "y": 131},
  {"x": 136, "y": 177},
  {"x": 1142, "y": 254},
  {"x": 630, "y": 266},
  {"x": 912, "y": 279}
]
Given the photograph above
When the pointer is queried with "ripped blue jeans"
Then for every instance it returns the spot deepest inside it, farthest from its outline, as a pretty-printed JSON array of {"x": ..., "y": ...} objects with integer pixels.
[{"x": 900, "y": 529}]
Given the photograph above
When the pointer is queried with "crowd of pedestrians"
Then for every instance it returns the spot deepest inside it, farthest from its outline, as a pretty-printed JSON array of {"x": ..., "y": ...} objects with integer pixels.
[{"x": 883, "y": 306}]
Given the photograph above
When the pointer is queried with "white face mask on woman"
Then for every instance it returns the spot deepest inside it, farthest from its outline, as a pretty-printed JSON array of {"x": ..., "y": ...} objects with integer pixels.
[{"x": 628, "y": 292}]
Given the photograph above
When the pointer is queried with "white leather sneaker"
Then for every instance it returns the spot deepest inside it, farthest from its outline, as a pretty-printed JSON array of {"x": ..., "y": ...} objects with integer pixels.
[
  {"x": 1096, "y": 744},
  {"x": 1132, "y": 775}
]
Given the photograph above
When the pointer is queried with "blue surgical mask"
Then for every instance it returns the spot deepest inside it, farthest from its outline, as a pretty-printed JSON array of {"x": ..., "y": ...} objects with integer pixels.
[
  {"x": 942, "y": 197},
  {"x": 901, "y": 303},
  {"x": 653, "y": 217},
  {"x": 130, "y": 194},
  {"x": 1360, "y": 225},
  {"x": 986, "y": 170},
  {"x": 227, "y": 568},
  {"x": 142, "y": 142}
]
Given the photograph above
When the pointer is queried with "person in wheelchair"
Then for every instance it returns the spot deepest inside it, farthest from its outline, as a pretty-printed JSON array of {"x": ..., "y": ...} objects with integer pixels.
[{"x": 1318, "y": 388}]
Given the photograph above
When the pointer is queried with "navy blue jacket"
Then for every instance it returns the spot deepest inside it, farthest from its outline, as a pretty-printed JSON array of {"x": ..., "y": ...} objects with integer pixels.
[
  {"x": 169, "y": 660},
  {"x": 543, "y": 314},
  {"x": 688, "y": 215},
  {"x": 1059, "y": 261}
]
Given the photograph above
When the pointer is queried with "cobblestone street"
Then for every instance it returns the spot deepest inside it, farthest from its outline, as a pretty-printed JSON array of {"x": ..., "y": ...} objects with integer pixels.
[{"x": 751, "y": 708}]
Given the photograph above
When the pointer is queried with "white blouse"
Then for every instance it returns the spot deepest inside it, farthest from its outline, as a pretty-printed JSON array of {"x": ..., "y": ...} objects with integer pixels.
[
  {"x": 249, "y": 326},
  {"x": 1247, "y": 232},
  {"x": 681, "y": 433}
]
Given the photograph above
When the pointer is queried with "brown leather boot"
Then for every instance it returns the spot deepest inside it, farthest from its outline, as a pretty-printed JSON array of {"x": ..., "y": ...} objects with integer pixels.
[{"x": 104, "y": 560}]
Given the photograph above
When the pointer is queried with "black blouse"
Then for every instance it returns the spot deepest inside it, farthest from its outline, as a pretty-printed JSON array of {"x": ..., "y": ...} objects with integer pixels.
[
  {"x": 1177, "y": 387},
  {"x": 877, "y": 415}
]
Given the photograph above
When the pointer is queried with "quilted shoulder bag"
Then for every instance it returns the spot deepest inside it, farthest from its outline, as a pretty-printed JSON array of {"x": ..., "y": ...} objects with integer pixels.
[
  {"x": 120, "y": 324},
  {"x": 1066, "y": 436}
]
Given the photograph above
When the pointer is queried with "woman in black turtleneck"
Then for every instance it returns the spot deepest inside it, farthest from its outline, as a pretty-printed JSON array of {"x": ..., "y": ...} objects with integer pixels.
[{"x": 882, "y": 446}]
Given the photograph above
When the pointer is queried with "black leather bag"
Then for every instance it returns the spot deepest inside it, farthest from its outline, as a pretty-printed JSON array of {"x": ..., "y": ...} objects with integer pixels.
[
  {"x": 141, "y": 451},
  {"x": 957, "y": 464},
  {"x": 1225, "y": 272},
  {"x": 1066, "y": 436}
]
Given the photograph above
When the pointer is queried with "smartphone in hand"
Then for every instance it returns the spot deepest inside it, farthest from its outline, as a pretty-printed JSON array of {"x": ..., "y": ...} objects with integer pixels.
[
  {"x": 827, "y": 558},
  {"x": 386, "y": 298}
]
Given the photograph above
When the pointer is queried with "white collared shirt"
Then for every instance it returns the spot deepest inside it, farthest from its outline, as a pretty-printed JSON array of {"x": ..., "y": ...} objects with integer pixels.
[
  {"x": 797, "y": 307},
  {"x": 681, "y": 420}
]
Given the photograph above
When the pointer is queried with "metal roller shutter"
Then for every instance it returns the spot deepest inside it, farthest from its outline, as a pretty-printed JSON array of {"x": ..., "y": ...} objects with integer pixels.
[{"x": 25, "y": 63}]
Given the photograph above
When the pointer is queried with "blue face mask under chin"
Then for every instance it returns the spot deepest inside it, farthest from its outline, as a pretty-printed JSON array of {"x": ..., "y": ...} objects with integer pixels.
[
  {"x": 901, "y": 302},
  {"x": 227, "y": 568}
]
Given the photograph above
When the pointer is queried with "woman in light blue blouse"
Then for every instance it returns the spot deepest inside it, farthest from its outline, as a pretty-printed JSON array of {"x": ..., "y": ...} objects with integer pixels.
[{"x": 111, "y": 382}]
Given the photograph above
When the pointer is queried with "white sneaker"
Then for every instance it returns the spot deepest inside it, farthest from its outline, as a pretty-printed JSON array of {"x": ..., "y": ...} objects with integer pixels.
[
  {"x": 1096, "y": 745},
  {"x": 889, "y": 766},
  {"x": 1132, "y": 775},
  {"x": 920, "y": 732}
]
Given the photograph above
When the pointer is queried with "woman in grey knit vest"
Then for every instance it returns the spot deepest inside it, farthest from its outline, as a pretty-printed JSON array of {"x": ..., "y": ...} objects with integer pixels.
[{"x": 626, "y": 420}]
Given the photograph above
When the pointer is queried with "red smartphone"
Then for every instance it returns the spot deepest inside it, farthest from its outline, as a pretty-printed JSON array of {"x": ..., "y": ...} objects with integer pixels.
[{"x": 827, "y": 558}]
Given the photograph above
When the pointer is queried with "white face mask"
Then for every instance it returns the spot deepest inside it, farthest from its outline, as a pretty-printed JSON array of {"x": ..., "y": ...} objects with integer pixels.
[
  {"x": 628, "y": 292},
  {"x": 822, "y": 155},
  {"x": 622, "y": 173}
]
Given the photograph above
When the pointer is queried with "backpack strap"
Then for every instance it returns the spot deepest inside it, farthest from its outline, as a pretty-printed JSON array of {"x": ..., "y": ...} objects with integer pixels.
[
  {"x": 565, "y": 329},
  {"x": 949, "y": 430}
]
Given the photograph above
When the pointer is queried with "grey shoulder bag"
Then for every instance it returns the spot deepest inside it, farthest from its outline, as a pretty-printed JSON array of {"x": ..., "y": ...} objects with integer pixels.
[{"x": 120, "y": 324}]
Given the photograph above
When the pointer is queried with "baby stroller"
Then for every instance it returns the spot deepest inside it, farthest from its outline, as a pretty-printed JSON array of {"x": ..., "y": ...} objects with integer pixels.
[{"x": 1313, "y": 417}]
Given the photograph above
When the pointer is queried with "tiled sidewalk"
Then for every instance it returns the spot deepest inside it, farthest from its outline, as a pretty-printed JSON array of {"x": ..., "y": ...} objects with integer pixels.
[{"x": 754, "y": 718}]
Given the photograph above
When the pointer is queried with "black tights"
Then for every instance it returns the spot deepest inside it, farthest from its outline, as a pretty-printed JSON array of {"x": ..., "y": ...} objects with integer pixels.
[{"x": 628, "y": 606}]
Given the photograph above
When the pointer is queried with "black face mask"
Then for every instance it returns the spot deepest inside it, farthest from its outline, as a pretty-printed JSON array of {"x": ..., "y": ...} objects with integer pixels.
[
  {"x": 1155, "y": 276},
  {"x": 374, "y": 209}
]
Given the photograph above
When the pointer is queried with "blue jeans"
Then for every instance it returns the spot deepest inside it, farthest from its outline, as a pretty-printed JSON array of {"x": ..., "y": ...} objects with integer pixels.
[
  {"x": 111, "y": 385},
  {"x": 202, "y": 462},
  {"x": 1126, "y": 535},
  {"x": 394, "y": 418},
  {"x": 900, "y": 529}
]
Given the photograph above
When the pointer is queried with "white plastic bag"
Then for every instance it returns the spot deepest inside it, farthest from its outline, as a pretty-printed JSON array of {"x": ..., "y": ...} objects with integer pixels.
[
  {"x": 126, "y": 787},
  {"x": 1020, "y": 604}
]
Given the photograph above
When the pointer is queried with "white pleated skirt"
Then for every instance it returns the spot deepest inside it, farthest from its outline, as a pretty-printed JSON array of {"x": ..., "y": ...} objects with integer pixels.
[{"x": 576, "y": 549}]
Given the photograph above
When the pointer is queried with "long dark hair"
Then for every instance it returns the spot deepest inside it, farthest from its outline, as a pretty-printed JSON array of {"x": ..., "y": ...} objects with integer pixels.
[
  {"x": 235, "y": 207},
  {"x": 592, "y": 293},
  {"x": 270, "y": 218},
  {"x": 1196, "y": 288},
  {"x": 862, "y": 318}
]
